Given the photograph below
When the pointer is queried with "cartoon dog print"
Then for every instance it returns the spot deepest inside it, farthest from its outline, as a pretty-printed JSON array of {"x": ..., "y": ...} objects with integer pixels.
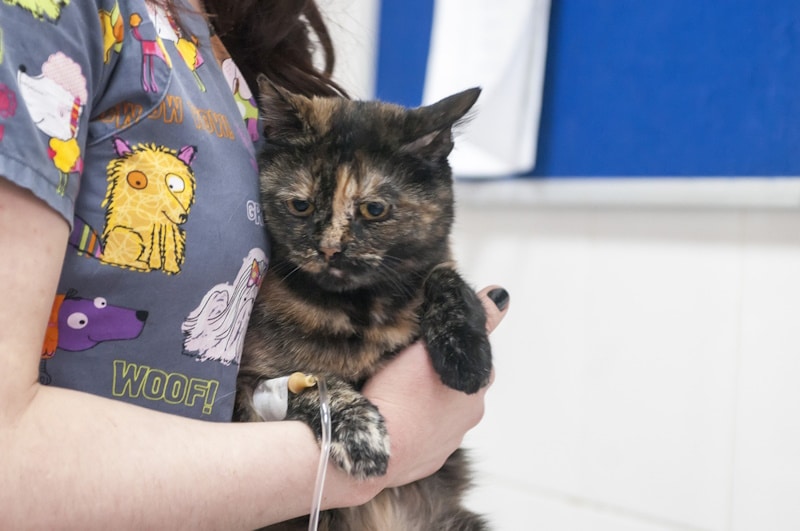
[
  {"x": 168, "y": 29},
  {"x": 41, "y": 8},
  {"x": 150, "y": 192},
  {"x": 55, "y": 100},
  {"x": 245, "y": 101},
  {"x": 77, "y": 324},
  {"x": 215, "y": 329}
]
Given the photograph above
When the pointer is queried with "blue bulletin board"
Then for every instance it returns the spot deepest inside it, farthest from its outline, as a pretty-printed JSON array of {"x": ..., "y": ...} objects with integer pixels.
[{"x": 633, "y": 88}]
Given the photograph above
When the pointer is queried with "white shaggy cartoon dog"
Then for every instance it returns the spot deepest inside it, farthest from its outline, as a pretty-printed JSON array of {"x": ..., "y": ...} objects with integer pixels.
[{"x": 215, "y": 329}]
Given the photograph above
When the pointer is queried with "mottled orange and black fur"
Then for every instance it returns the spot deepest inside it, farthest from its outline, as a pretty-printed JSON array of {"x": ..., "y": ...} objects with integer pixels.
[{"x": 359, "y": 202}]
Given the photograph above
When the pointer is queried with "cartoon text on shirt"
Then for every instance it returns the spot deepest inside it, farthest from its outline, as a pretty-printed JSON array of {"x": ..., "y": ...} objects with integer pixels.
[
  {"x": 152, "y": 49},
  {"x": 113, "y": 29},
  {"x": 169, "y": 30},
  {"x": 78, "y": 324},
  {"x": 41, "y": 9},
  {"x": 215, "y": 329},
  {"x": 55, "y": 100},
  {"x": 150, "y": 191}
]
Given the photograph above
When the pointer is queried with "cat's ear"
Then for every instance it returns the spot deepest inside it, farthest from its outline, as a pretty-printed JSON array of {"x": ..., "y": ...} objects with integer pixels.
[
  {"x": 432, "y": 125},
  {"x": 282, "y": 113}
]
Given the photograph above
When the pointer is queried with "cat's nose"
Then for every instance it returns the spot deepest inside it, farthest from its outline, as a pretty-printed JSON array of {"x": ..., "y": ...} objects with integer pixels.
[{"x": 329, "y": 251}]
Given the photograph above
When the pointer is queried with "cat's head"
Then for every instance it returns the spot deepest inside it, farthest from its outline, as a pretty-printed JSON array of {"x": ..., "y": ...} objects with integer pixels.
[{"x": 357, "y": 193}]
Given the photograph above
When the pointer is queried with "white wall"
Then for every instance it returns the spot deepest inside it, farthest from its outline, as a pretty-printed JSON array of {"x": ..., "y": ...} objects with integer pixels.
[{"x": 648, "y": 374}]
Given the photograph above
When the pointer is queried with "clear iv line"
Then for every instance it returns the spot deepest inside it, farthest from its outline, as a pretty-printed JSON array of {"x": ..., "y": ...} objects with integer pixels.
[{"x": 325, "y": 451}]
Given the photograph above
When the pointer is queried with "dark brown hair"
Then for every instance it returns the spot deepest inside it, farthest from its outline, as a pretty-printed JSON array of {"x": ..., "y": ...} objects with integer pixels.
[{"x": 277, "y": 38}]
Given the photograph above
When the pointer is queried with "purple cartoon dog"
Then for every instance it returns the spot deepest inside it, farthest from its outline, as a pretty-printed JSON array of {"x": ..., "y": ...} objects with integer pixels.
[{"x": 78, "y": 324}]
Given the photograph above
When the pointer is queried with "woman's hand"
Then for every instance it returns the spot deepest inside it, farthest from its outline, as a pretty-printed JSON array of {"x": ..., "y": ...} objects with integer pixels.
[{"x": 426, "y": 419}]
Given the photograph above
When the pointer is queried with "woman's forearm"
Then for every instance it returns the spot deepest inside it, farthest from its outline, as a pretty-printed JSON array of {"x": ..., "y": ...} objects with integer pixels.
[
  {"x": 74, "y": 460},
  {"x": 79, "y": 461}
]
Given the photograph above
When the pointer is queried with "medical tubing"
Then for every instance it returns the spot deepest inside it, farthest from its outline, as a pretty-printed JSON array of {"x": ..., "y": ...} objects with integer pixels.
[{"x": 325, "y": 452}]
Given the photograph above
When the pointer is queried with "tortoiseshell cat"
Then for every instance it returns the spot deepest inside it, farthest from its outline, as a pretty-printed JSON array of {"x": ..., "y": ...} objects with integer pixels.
[{"x": 359, "y": 200}]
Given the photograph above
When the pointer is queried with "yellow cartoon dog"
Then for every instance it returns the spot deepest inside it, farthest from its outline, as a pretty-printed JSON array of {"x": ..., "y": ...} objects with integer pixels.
[{"x": 150, "y": 191}]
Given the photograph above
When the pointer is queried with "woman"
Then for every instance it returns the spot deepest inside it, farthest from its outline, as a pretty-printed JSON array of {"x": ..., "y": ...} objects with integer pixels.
[{"x": 133, "y": 244}]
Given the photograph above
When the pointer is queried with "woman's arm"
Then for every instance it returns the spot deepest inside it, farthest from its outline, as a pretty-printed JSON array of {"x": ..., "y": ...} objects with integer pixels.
[{"x": 70, "y": 459}]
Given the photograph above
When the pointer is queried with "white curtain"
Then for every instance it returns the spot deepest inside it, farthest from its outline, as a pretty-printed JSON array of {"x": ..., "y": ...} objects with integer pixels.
[{"x": 501, "y": 46}]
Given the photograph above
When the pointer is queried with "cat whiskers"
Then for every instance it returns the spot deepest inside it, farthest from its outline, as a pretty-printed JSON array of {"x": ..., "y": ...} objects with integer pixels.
[
  {"x": 290, "y": 273},
  {"x": 281, "y": 266},
  {"x": 389, "y": 273},
  {"x": 391, "y": 262}
]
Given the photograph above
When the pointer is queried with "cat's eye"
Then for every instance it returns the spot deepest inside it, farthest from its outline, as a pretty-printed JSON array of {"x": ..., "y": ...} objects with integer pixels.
[
  {"x": 374, "y": 211},
  {"x": 300, "y": 207}
]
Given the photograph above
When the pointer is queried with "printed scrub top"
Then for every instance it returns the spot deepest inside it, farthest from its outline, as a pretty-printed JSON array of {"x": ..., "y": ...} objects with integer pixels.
[{"x": 141, "y": 133}]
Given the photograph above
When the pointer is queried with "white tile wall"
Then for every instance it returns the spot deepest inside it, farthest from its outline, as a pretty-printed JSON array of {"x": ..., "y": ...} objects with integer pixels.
[
  {"x": 648, "y": 372},
  {"x": 766, "y": 492}
]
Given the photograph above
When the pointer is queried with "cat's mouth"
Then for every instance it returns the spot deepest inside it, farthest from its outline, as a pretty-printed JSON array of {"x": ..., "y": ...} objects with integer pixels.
[
  {"x": 338, "y": 277},
  {"x": 335, "y": 279},
  {"x": 335, "y": 272},
  {"x": 340, "y": 272}
]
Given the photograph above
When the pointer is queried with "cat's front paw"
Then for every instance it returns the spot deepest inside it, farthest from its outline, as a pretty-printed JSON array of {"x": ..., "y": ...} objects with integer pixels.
[
  {"x": 462, "y": 357},
  {"x": 454, "y": 328},
  {"x": 359, "y": 440}
]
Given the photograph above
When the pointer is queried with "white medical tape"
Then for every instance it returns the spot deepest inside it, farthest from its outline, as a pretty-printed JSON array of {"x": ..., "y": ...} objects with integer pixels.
[{"x": 271, "y": 398}]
